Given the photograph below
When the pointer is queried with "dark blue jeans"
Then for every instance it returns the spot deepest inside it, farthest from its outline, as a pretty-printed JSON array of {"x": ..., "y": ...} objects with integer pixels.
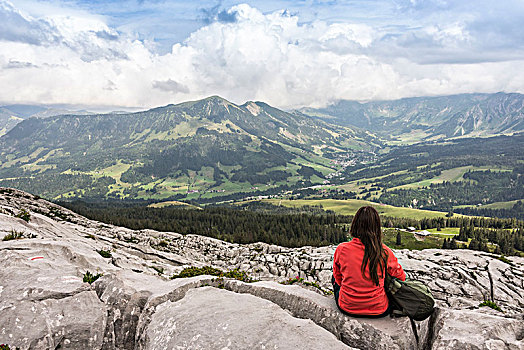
[{"x": 336, "y": 292}]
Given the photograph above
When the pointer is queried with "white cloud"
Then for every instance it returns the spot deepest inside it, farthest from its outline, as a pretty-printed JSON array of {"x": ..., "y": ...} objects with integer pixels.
[{"x": 74, "y": 59}]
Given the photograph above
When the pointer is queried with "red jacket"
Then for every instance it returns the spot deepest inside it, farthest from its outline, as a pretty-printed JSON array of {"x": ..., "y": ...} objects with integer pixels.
[{"x": 357, "y": 295}]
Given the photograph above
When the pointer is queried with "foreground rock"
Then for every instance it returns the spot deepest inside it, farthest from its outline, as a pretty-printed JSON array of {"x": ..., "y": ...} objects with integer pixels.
[
  {"x": 228, "y": 320},
  {"x": 134, "y": 305}
]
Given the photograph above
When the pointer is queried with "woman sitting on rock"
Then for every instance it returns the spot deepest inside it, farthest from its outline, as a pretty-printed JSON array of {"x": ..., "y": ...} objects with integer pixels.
[{"x": 358, "y": 268}]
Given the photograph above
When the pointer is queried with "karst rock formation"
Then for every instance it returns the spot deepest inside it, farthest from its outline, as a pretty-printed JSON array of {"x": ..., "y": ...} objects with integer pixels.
[{"x": 44, "y": 303}]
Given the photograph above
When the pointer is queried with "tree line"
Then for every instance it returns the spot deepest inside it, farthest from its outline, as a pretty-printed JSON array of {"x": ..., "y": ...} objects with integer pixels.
[
  {"x": 293, "y": 227},
  {"x": 238, "y": 226},
  {"x": 515, "y": 211},
  {"x": 481, "y": 187}
]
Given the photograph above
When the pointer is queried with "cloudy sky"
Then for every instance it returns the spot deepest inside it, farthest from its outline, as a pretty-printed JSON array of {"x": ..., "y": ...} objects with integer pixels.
[{"x": 144, "y": 53}]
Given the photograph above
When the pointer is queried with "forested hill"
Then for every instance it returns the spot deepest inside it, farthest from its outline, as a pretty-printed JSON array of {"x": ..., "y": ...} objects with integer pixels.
[
  {"x": 210, "y": 144},
  {"x": 413, "y": 119},
  {"x": 11, "y": 115},
  {"x": 468, "y": 175}
]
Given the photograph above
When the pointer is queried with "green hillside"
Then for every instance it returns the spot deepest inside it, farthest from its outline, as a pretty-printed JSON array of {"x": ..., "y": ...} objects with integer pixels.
[
  {"x": 350, "y": 207},
  {"x": 201, "y": 148},
  {"x": 7, "y": 121},
  {"x": 441, "y": 176},
  {"x": 11, "y": 115}
]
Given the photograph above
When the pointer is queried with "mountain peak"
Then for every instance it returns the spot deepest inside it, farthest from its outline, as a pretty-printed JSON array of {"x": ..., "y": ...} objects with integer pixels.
[
  {"x": 208, "y": 102},
  {"x": 215, "y": 99}
]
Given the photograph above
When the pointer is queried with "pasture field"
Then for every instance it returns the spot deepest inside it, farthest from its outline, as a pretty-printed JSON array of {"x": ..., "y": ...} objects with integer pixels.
[
  {"x": 450, "y": 175},
  {"x": 350, "y": 207},
  {"x": 445, "y": 231},
  {"x": 173, "y": 204},
  {"x": 496, "y": 205},
  {"x": 408, "y": 240}
]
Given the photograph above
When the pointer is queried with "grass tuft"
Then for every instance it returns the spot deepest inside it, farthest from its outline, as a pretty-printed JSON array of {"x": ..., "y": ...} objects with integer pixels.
[
  {"x": 158, "y": 269},
  {"x": 300, "y": 280},
  {"x": 505, "y": 260},
  {"x": 6, "y": 347},
  {"x": 13, "y": 235},
  {"x": 104, "y": 253},
  {"x": 90, "y": 278},
  {"x": 208, "y": 270},
  {"x": 24, "y": 215},
  {"x": 292, "y": 280},
  {"x": 490, "y": 304}
]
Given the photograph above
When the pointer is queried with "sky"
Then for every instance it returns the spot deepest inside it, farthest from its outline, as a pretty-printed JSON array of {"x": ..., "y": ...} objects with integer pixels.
[{"x": 126, "y": 54}]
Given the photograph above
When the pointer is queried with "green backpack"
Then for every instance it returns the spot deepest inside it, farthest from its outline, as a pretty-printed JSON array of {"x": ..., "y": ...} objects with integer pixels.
[{"x": 413, "y": 297}]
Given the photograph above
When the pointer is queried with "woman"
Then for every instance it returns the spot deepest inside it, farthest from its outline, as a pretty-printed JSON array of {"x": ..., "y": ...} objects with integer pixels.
[{"x": 358, "y": 268}]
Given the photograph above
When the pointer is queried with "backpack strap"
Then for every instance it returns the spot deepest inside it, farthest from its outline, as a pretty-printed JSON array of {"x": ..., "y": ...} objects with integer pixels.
[{"x": 414, "y": 328}]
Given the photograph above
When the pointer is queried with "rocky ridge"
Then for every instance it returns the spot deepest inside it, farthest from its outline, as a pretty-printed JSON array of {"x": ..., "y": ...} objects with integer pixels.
[{"x": 135, "y": 305}]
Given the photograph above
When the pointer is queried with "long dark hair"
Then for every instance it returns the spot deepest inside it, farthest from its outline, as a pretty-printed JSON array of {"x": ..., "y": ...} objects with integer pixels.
[{"x": 366, "y": 227}]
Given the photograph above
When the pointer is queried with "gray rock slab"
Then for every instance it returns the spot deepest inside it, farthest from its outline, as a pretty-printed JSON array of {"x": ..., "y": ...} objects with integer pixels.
[
  {"x": 361, "y": 333},
  {"x": 211, "y": 318},
  {"x": 463, "y": 329},
  {"x": 74, "y": 322}
]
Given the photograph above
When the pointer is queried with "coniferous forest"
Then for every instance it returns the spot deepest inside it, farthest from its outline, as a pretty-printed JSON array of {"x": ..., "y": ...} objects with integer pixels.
[
  {"x": 295, "y": 227},
  {"x": 239, "y": 226}
]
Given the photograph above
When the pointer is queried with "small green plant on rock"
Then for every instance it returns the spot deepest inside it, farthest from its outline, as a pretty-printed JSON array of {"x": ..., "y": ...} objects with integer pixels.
[
  {"x": 258, "y": 249},
  {"x": 238, "y": 275},
  {"x": 505, "y": 260},
  {"x": 292, "y": 280},
  {"x": 90, "y": 278},
  {"x": 57, "y": 213},
  {"x": 131, "y": 239},
  {"x": 24, "y": 215},
  {"x": 219, "y": 282},
  {"x": 163, "y": 243},
  {"x": 491, "y": 304},
  {"x": 6, "y": 347},
  {"x": 104, "y": 253},
  {"x": 317, "y": 286},
  {"x": 208, "y": 270},
  {"x": 197, "y": 271},
  {"x": 13, "y": 235}
]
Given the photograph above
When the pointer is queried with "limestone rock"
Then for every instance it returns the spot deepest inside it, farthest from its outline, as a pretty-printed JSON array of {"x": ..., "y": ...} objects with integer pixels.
[
  {"x": 210, "y": 317},
  {"x": 44, "y": 302},
  {"x": 463, "y": 329},
  {"x": 74, "y": 322}
]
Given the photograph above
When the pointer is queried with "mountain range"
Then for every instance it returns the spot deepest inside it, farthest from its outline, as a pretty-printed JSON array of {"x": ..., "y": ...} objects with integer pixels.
[
  {"x": 212, "y": 147},
  {"x": 210, "y": 144},
  {"x": 430, "y": 118}
]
